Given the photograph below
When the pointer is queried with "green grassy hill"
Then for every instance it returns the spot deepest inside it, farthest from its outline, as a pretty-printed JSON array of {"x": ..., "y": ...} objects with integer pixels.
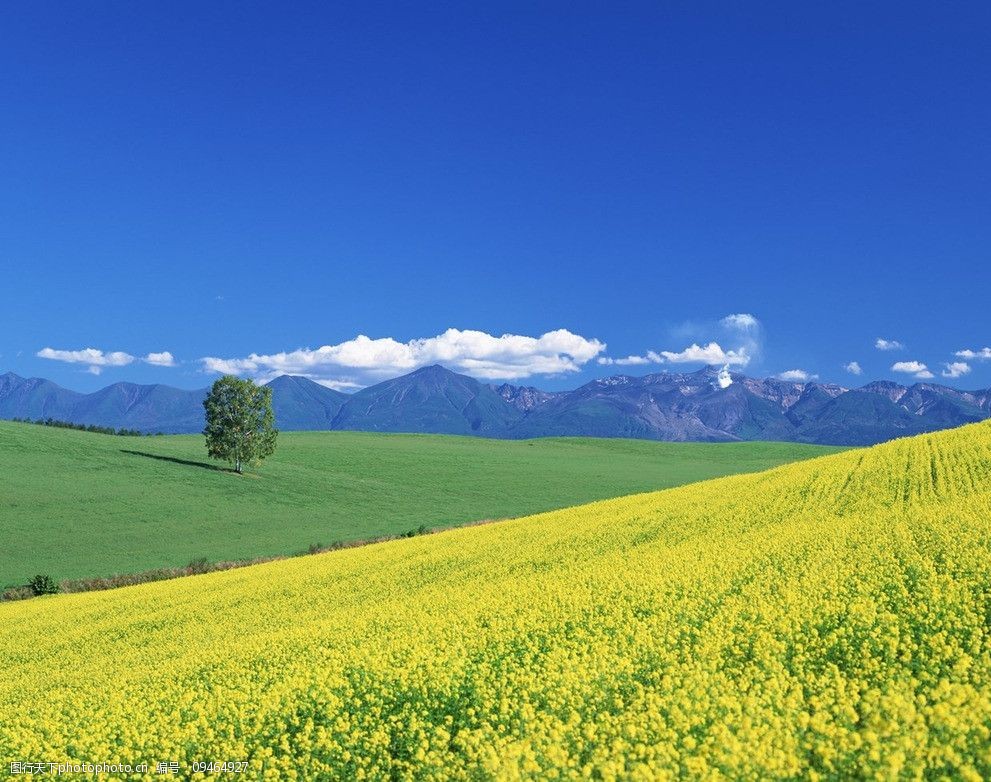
[{"x": 74, "y": 504}]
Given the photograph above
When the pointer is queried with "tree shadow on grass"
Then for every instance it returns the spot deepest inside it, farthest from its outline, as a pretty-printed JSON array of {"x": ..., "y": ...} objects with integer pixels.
[{"x": 186, "y": 462}]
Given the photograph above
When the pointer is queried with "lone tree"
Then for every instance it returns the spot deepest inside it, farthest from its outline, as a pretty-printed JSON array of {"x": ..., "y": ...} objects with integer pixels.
[{"x": 240, "y": 425}]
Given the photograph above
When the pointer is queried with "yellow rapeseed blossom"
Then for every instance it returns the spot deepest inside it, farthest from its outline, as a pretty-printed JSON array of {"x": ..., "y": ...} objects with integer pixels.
[{"x": 829, "y": 619}]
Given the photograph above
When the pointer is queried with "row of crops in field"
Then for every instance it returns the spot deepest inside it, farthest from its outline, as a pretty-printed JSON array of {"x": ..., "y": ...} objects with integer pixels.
[{"x": 827, "y": 620}]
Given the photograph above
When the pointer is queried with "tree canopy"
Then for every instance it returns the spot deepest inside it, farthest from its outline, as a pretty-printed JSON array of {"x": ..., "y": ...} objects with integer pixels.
[{"x": 240, "y": 424}]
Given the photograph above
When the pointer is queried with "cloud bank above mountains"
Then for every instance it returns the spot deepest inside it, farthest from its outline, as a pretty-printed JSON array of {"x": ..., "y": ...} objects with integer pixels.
[
  {"x": 733, "y": 342},
  {"x": 482, "y": 355}
]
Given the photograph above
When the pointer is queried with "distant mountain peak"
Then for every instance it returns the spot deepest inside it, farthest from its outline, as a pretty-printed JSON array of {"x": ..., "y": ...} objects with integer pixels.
[
  {"x": 290, "y": 379},
  {"x": 888, "y": 388},
  {"x": 614, "y": 380},
  {"x": 434, "y": 370},
  {"x": 525, "y": 398}
]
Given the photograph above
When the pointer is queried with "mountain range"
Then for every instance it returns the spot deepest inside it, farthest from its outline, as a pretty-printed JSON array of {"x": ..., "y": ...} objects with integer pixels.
[{"x": 663, "y": 406}]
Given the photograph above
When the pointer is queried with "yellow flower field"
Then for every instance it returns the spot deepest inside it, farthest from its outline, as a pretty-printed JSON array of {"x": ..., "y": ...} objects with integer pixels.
[{"x": 829, "y": 619}]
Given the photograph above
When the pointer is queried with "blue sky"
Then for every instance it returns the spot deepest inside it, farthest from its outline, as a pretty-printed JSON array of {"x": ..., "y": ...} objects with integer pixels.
[{"x": 272, "y": 179}]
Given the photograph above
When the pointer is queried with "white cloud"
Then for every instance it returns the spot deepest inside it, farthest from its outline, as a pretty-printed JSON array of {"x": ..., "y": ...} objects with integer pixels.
[
  {"x": 344, "y": 384},
  {"x": 908, "y": 366},
  {"x": 854, "y": 368},
  {"x": 956, "y": 369},
  {"x": 743, "y": 321},
  {"x": 915, "y": 368},
  {"x": 984, "y": 354},
  {"x": 888, "y": 344},
  {"x": 712, "y": 353},
  {"x": 95, "y": 360},
  {"x": 797, "y": 376},
  {"x": 724, "y": 378},
  {"x": 625, "y": 362},
  {"x": 741, "y": 329},
  {"x": 163, "y": 359},
  {"x": 509, "y": 357},
  {"x": 693, "y": 354}
]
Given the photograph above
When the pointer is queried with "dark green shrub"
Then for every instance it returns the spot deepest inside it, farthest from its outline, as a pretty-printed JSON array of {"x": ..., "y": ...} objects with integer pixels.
[{"x": 43, "y": 585}]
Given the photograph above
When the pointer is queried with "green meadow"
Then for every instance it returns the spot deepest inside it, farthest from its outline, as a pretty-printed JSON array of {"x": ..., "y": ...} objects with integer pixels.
[{"x": 75, "y": 504}]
